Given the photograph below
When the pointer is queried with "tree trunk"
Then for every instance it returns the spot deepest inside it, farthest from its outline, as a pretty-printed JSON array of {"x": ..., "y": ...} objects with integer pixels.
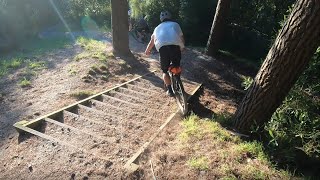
[
  {"x": 120, "y": 25},
  {"x": 286, "y": 60},
  {"x": 218, "y": 26}
]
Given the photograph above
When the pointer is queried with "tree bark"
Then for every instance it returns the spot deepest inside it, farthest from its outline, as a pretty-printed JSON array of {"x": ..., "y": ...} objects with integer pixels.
[
  {"x": 286, "y": 60},
  {"x": 218, "y": 26},
  {"x": 120, "y": 25}
]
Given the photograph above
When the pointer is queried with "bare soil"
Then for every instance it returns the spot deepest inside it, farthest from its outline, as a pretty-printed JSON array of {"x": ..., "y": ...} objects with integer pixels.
[{"x": 111, "y": 131}]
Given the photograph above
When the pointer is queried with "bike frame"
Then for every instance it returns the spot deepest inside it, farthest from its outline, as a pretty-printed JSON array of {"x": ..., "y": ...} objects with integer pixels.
[{"x": 178, "y": 89}]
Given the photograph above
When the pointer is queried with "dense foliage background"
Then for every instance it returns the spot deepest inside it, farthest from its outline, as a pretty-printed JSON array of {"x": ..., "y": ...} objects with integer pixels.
[{"x": 20, "y": 21}]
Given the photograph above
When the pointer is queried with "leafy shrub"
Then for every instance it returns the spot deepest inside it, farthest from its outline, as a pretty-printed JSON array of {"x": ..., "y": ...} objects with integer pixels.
[{"x": 295, "y": 126}]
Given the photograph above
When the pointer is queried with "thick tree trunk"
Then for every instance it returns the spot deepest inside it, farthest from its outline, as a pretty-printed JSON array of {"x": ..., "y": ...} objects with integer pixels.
[
  {"x": 120, "y": 25},
  {"x": 218, "y": 26},
  {"x": 286, "y": 60}
]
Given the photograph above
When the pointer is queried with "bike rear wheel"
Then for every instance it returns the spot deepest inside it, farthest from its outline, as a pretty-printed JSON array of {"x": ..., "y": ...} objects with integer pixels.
[{"x": 180, "y": 94}]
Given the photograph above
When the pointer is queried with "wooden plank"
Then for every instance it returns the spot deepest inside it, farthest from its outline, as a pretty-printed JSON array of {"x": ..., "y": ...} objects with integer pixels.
[
  {"x": 78, "y": 130},
  {"x": 52, "y": 139},
  {"x": 145, "y": 145},
  {"x": 36, "y": 121},
  {"x": 88, "y": 119},
  {"x": 130, "y": 166},
  {"x": 42, "y": 135},
  {"x": 144, "y": 89},
  {"x": 119, "y": 100},
  {"x": 99, "y": 112},
  {"x": 132, "y": 97},
  {"x": 133, "y": 91}
]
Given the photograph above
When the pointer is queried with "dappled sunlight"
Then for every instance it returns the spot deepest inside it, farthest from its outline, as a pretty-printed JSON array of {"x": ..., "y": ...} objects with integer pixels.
[{"x": 62, "y": 19}]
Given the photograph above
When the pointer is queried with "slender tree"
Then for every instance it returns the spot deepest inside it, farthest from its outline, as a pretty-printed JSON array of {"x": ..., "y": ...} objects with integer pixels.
[
  {"x": 120, "y": 26},
  {"x": 286, "y": 60},
  {"x": 218, "y": 26}
]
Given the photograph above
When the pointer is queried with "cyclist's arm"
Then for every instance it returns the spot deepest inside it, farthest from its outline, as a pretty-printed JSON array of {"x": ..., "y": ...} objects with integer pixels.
[{"x": 150, "y": 46}]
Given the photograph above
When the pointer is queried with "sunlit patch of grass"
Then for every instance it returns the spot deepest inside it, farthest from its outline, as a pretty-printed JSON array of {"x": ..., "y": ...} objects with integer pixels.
[
  {"x": 252, "y": 150},
  {"x": 101, "y": 56},
  {"x": 191, "y": 128},
  {"x": 6, "y": 65},
  {"x": 24, "y": 83},
  {"x": 200, "y": 163},
  {"x": 225, "y": 169},
  {"x": 37, "y": 65},
  {"x": 83, "y": 55},
  {"x": 250, "y": 171},
  {"x": 207, "y": 144},
  {"x": 93, "y": 49},
  {"x": 91, "y": 44},
  {"x": 218, "y": 133},
  {"x": 82, "y": 94}
]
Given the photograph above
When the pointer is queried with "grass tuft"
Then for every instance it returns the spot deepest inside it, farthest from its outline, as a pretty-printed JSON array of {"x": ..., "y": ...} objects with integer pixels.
[
  {"x": 82, "y": 94},
  {"x": 24, "y": 83},
  {"x": 253, "y": 150},
  {"x": 191, "y": 128},
  {"x": 200, "y": 163}
]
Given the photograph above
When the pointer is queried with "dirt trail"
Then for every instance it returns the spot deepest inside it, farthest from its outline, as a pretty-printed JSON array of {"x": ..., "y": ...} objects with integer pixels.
[{"x": 119, "y": 127}]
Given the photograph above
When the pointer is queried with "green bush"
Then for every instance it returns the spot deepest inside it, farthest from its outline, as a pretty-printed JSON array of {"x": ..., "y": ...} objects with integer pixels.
[
  {"x": 21, "y": 21},
  {"x": 295, "y": 126}
]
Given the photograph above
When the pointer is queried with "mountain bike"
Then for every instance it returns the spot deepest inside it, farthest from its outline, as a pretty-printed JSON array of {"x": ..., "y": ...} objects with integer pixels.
[{"x": 178, "y": 89}]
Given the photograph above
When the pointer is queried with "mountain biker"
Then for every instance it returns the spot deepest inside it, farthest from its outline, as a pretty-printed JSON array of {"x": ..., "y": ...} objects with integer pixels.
[{"x": 169, "y": 41}]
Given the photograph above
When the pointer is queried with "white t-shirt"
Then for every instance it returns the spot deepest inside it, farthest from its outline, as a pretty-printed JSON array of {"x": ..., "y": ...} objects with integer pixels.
[{"x": 167, "y": 33}]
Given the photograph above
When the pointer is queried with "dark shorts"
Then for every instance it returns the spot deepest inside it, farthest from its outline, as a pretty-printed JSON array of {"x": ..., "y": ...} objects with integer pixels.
[{"x": 169, "y": 54}]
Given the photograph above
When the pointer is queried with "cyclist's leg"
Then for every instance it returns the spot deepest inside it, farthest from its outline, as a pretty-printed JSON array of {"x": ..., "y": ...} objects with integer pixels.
[
  {"x": 175, "y": 56},
  {"x": 165, "y": 63}
]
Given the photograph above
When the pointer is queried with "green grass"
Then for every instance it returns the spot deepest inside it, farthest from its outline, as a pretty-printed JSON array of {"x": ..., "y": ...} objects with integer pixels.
[
  {"x": 37, "y": 65},
  {"x": 191, "y": 128},
  {"x": 253, "y": 150},
  {"x": 206, "y": 142},
  {"x": 24, "y": 83},
  {"x": 82, "y": 94},
  {"x": 93, "y": 49},
  {"x": 10, "y": 64},
  {"x": 200, "y": 163},
  {"x": 32, "y": 47},
  {"x": 91, "y": 44}
]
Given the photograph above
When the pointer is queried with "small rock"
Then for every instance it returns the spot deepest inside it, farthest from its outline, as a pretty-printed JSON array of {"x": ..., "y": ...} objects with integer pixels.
[
  {"x": 29, "y": 104},
  {"x": 53, "y": 144},
  {"x": 85, "y": 178},
  {"x": 30, "y": 168},
  {"x": 37, "y": 114},
  {"x": 108, "y": 164},
  {"x": 73, "y": 176}
]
